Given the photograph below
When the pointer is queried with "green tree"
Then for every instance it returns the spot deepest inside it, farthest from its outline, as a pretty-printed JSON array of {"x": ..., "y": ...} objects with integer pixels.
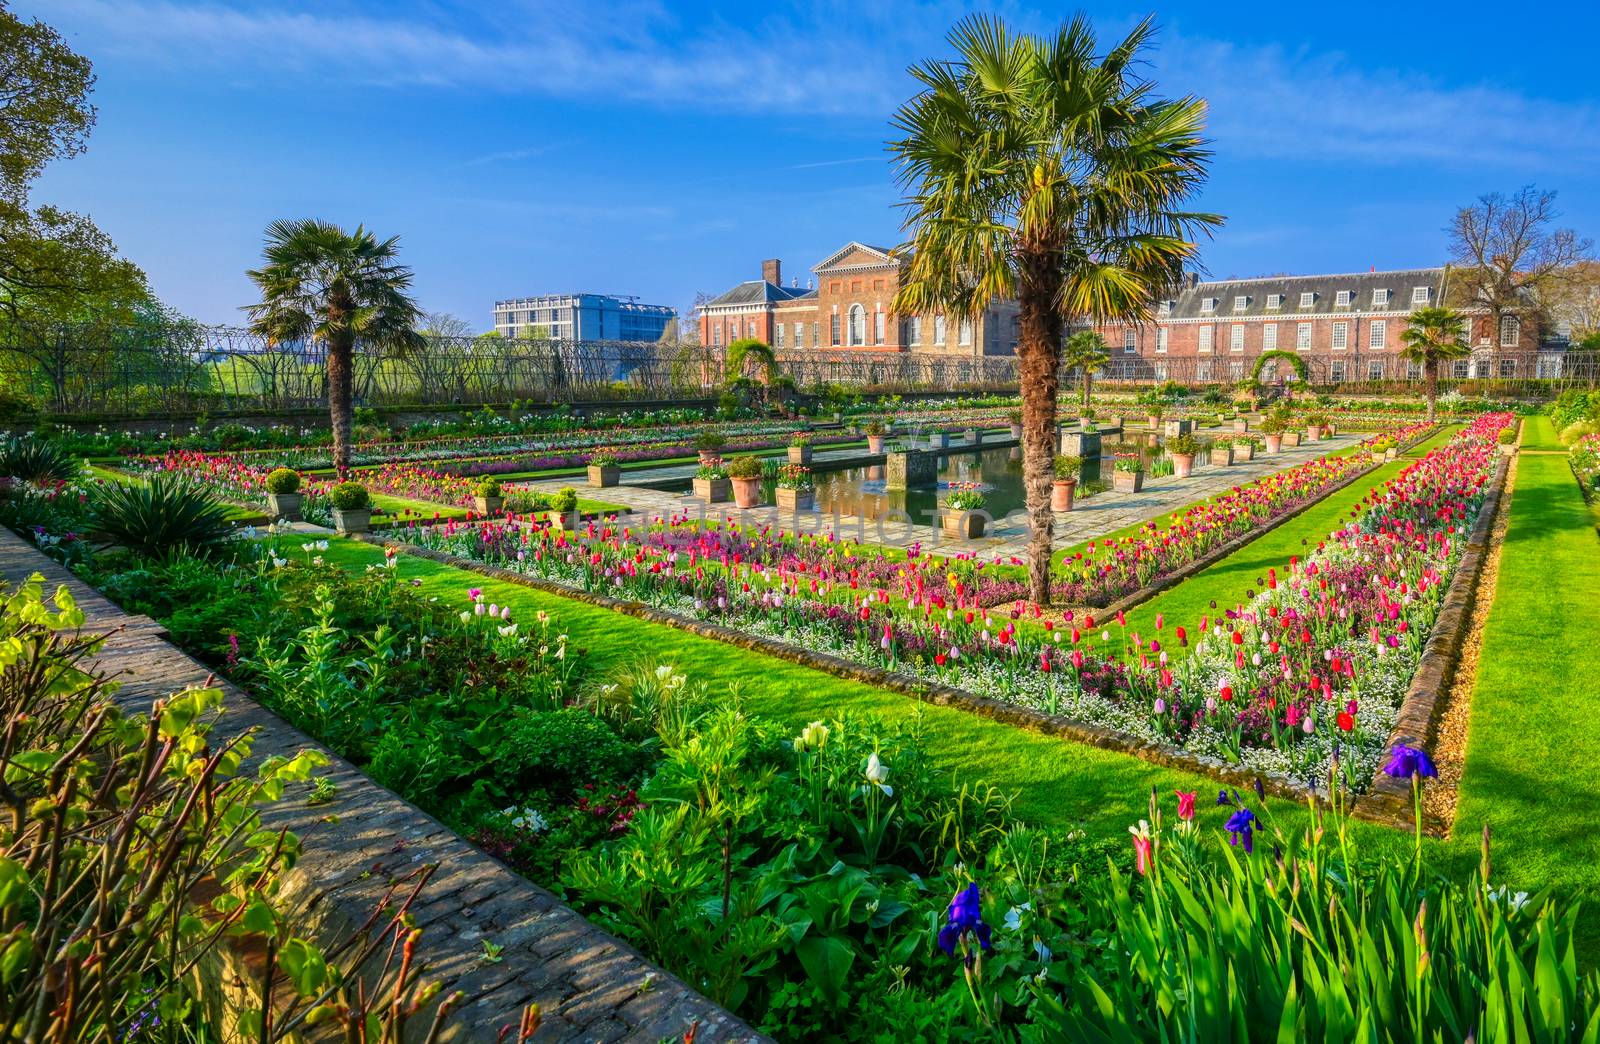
[
  {"x": 44, "y": 106},
  {"x": 1433, "y": 336},
  {"x": 321, "y": 283},
  {"x": 1085, "y": 351},
  {"x": 1040, "y": 170}
]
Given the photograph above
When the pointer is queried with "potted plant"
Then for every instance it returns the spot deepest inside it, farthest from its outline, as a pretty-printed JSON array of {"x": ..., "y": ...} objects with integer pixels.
[
  {"x": 1182, "y": 450},
  {"x": 1508, "y": 441},
  {"x": 1221, "y": 452},
  {"x": 795, "y": 491},
  {"x": 711, "y": 482},
  {"x": 352, "y": 507},
  {"x": 938, "y": 440},
  {"x": 1241, "y": 424},
  {"x": 1153, "y": 415},
  {"x": 710, "y": 444},
  {"x": 1272, "y": 433},
  {"x": 973, "y": 435},
  {"x": 962, "y": 515},
  {"x": 1244, "y": 448},
  {"x": 1127, "y": 473},
  {"x": 564, "y": 508},
  {"x": 604, "y": 468},
  {"x": 283, "y": 494},
  {"x": 1316, "y": 425},
  {"x": 745, "y": 474},
  {"x": 1014, "y": 419},
  {"x": 1375, "y": 451},
  {"x": 1067, "y": 469},
  {"x": 1086, "y": 419},
  {"x": 800, "y": 448},
  {"x": 876, "y": 430},
  {"x": 486, "y": 496}
]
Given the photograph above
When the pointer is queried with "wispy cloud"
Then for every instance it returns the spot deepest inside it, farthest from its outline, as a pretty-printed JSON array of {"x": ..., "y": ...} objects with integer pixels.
[
  {"x": 837, "y": 162},
  {"x": 511, "y": 155}
]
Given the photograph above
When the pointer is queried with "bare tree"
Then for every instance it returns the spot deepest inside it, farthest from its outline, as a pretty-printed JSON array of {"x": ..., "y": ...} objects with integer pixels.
[
  {"x": 689, "y": 321},
  {"x": 1576, "y": 301},
  {"x": 1510, "y": 257},
  {"x": 444, "y": 324}
]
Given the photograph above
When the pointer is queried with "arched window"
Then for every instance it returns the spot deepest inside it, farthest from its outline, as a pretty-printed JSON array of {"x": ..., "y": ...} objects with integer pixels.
[{"x": 858, "y": 324}]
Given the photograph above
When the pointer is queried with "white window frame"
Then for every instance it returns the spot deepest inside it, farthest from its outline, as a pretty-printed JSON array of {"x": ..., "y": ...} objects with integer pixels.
[
  {"x": 1236, "y": 338},
  {"x": 1274, "y": 301},
  {"x": 1460, "y": 369},
  {"x": 1380, "y": 298},
  {"x": 914, "y": 330},
  {"x": 1514, "y": 325},
  {"x": 938, "y": 329},
  {"x": 1378, "y": 334},
  {"x": 1503, "y": 366},
  {"x": 1342, "y": 298},
  {"x": 856, "y": 328},
  {"x": 1269, "y": 337},
  {"x": 1302, "y": 337},
  {"x": 964, "y": 331},
  {"x": 1130, "y": 341},
  {"x": 1341, "y": 337},
  {"x": 1161, "y": 340},
  {"x": 799, "y": 335},
  {"x": 1336, "y": 371},
  {"x": 1308, "y": 299},
  {"x": 1208, "y": 305},
  {"x": 777, "y": 331},
  {"x": 1206, "y": 336},
  {"x": 1375, "y": 364},
  {"x": 1241, "y": 302},
  {"x": 1164, "y": 307},
  {"x": 1421, "y": 294},
  {"x": 877, "y": 326}
]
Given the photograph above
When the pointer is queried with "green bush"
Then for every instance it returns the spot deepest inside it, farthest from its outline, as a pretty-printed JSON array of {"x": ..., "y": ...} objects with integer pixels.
[
  {"x": 562, "y": 751},
  {"x": 283, "y": 481},
  {"x": 164, "y": 517},
  {"x": 1068, "y": 467},
  {"x": 15, "y": 407},
  {"x": 350, "y": 496},
  {"x": 37, "y": 460},
  {"x": 603, "y": 459},
  {"x": 488, "y": 486},
  {"x": 1184, "y": 445},
  {"x": 565, "y": 501},
  {"x": 745, "y": 466},
  {"x": 710, "y": 441}
]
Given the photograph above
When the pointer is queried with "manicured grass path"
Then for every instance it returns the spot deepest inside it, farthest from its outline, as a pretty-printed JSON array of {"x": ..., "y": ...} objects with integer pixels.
[
  {"x": 1228, "y": 581},
  {"x": 1532, "y": 770}
]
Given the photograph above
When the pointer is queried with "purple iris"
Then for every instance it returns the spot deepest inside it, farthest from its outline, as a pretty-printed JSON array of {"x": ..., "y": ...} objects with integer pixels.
[
  {"x": 965, "y": 917},
  {"x": 1404, "y": 762},
  {"x": 1223, "y": 799},
  {"x": 1241, "y": 826}
]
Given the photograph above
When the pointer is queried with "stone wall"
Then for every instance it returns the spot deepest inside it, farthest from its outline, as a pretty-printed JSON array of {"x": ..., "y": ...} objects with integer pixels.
[{"x": 589, "y": 985}]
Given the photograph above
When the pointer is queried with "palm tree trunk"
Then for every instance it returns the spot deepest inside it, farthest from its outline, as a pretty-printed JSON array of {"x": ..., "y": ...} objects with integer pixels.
[
  {"x": 1039, "y": 362},
  {"x": 1087, "y": 378},
  {"x": 1430, "y": 371},
  {"x": 340, "y": 405}
]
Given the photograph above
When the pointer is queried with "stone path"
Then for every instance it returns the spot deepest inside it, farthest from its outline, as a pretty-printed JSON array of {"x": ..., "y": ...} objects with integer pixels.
[
  {"x": 1089, "y": 519},
  {"x": 590, "y": 986}
]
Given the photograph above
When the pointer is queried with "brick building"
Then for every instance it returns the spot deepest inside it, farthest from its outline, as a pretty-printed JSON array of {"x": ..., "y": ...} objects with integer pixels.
[
  {"x": 848, "y": 307},
  {"x": 1347, "y": 327}
]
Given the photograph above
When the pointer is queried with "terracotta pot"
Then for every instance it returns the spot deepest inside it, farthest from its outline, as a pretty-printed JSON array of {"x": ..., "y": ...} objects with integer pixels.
[
  {"x": 1313, "y": 433},
  {"x": 708, "y": 456},
  {"x": 964, "y": 525},
  {"x": 1154, "y": 419},
  {"x": 1127, "y": 481},
  {"x": 1275, "y": 443},
  {"x": 746, "y": 492},
  {"x": 285, "y": 507},
  {"x": 1016, "y": 431},
  {"x": 1182, "y": 465},
  {"x": 604, "y": 475},
  {"x": 799, "y": 454},
  {"x": 795, "y": 499},
  {"x": 874, "y": 443},
  {"x": 1061, "y": 491},
  {"x": 713, "y": 491}
]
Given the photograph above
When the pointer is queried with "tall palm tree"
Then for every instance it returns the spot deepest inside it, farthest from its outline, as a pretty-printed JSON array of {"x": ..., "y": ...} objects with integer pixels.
[
  {"x": 1036, "y": 168},
  {"x": 1085, "y": 350},
  {"x": 1433, "y": 336},
  {"x": 321, "y": 283}
]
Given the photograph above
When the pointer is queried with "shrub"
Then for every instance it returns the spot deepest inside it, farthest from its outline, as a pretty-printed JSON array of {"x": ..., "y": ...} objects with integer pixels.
[
  {"x": 800, "y": 438},
  {"x": 877, "y": 427},
  {"x": 283, "y": 481},
  {"x": 350, "y": 496},
  {"x": 746, "y": 466},
  {"x": 15, "y": 407},
  {"x": 1508, "y": 436},
  {"x": 167, "y": 516},
  {"x": 561, "y": 751},
  {"x": 1129, "y": 463},
  {"x": 1317, "y": 420},
  {"x": 1274, "y": 425},
  {"x": 710, "y": 441},
  {"x": 488, "y": 486},
  {"x": 37, "y": 460},
  {"x": 603, "y": 459},
  {"x": 1183, "y": 445},
  {"x": 966, "y": 500},
  {"x": 565, "y": 501},
  {"x": 1068, "y": 467}
]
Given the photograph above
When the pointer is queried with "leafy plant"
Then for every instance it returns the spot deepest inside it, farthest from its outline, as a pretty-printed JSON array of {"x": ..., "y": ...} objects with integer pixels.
[
  {"x": 710, "y": 441},
  {"x": 283, "y": 481},
  {"x": 37, "y": 460},
  {"x": 350, "y": 496},
  {"x": 603, "y": 459},
  {"x": 565, "y": 501},
  {"x": 488, "y": 487},
  {"x": 1068, "y": 467},
  {"x": 1183, "y": 445},
  {"x": 167, "y": 515},
  {"x": 715, "y": 469},
  {"x": 745, "y": 466},
  {"x": 794, "y": 476},
  {"x": 966, "y": 500}
]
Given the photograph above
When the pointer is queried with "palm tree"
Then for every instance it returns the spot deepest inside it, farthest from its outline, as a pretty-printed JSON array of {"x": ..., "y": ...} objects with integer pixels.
[
  {"x": 1433, "y": 336},
  {"x": 321, "y": 283},
  {"x": 1039, "y": 170},
  {"x": 1085, "y": 350}
]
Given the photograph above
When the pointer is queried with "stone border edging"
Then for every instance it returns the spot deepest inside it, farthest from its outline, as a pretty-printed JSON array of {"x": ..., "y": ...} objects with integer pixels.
[
  {"x": 589, "y": 984},
  {"x": 1238, "y": 543},
  {"x": 1389, "y": 800}
]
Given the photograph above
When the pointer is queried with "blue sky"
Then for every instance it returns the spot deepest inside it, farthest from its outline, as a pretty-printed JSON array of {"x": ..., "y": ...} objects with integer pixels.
[{"x": 661, "y": 148}]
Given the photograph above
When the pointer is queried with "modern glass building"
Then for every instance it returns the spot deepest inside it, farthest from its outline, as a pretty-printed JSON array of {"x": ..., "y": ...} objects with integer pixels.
[{"x": 583, "y": 317}]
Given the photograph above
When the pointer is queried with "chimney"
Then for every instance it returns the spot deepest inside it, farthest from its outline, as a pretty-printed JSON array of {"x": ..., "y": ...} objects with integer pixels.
[{"x": 772, "y": 271}]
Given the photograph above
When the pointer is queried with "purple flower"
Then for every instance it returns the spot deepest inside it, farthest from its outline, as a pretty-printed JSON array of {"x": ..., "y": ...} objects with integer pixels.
[
  {"x": 965, "y": 918},
  {"x": 1241, "y": 826},
  {"x": 1222, "y": 797},
  {"x": 1405, "y": 762}
]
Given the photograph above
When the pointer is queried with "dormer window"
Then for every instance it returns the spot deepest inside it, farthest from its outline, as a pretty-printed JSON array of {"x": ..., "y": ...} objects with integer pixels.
[
  {"x": 1208, "y": 305},
  {"x": 1308, "y": 299},
  {"x": 1420, "y": 295},
  {"x": 1164, "y": 308},
  {"x": 1274, "y": 300},
  {"x": 1380, "y": 298},
  {"x": 1342, "y": 299},
  {"x": 1240, "y": 303}
]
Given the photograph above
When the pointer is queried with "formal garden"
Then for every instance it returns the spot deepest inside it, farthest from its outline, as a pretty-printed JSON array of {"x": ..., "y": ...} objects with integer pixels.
[{"x": 1076, "y": 704}]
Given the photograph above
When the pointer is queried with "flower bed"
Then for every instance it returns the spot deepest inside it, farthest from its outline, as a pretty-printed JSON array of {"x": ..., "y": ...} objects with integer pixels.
[{"x": 1585, "y": 458}]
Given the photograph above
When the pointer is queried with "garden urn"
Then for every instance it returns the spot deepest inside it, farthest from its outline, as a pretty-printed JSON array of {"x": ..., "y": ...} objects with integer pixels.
[
  {"x": 1016, "y": 432},
  {"x": 352, "y": 520},
  {"x": 746, "y": 492},
  {"x": 285, "y": 507},
  {"x": 1061, "y": 491},
  {"x": 1182, "y": 465},
  {"x": 1275, "y": 443},
  {"x": 604, "y": 474},
  {"x": 874, "y": 443}
]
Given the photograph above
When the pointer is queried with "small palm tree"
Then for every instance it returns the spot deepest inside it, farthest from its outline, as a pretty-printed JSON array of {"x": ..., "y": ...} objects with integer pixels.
[
  {"x": 1433, "y": 336},
  {"x": 1037, "y": 168},
  {"x": 321, "y": 283},
  {"x": 1085, "y": 350}
]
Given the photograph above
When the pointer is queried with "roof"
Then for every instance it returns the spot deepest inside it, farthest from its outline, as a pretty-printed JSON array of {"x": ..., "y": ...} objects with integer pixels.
[
  {"x": 884, "y": 255},
  {"x": 1257, "y": 294},
  {"x": 758, "y": 291}
]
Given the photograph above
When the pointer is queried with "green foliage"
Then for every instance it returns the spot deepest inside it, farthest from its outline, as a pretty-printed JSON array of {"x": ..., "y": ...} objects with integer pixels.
[
  {"x": 350, "y": 496},
  {"x": 565, "y": 501},
  {"x": 745, "y": 466},
  {"x": 165, "y": 516},
  {"x": 966, "y": 500},
  {"x": 559, "y": 752},
  {"x": 283, "y": 480},
  {"x": 1068, "y": 467},
  {"x": 710, "y": 441},
  {"x": 37, "y": 460},
  {"x": 488, "y": 486},
  {"x": 603, "y": 459},
  {"x": 1185, "y": 444}
]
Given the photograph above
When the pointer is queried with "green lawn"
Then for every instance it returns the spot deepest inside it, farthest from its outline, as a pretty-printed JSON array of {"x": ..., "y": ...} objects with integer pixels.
[
  {"x": 1227, "y": 582},
  {"x": 1532, "y": 771},
  {"x": 1539, "y": 433}
]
